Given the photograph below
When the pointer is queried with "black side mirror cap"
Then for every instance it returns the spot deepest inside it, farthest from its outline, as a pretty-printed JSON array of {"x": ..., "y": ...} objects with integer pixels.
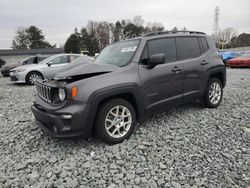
[{"x": 156, "y": 59}]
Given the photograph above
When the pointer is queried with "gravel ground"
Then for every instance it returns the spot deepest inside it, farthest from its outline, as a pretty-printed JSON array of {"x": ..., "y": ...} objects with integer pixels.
[{"x": 188, "y": 146}]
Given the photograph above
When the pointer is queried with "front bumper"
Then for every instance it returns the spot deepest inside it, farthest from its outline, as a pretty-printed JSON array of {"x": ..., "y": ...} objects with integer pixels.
[
  {"x": 52, "y": 120},
  {"x": 17, "y": 77}
]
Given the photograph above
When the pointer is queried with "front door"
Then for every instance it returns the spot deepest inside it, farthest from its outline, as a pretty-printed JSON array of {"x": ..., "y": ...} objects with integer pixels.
[{"x": 162, "y": 84}]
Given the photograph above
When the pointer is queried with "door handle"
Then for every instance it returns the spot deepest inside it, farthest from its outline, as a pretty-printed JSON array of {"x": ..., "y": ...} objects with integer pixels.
[
  {"x": 204, "y": 62},
  {"x": 176, "y": 69}
]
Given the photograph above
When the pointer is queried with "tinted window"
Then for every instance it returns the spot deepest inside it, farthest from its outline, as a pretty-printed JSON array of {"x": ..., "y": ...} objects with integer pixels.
[
  {"x": 166, "y": 46},
  {"x": 204, "y": 44},
  {"x": 188, "y": 47}
]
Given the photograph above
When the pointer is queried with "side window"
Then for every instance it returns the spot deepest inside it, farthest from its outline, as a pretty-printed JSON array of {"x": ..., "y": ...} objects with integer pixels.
[
  {"x": 42, "y": 58},
  {"x": 72, "y": 57},
  {"x": 60, "y": 60},
  {"x": 204, "y": 44},
  {"x": 166, "y": 46},
  {"x": 188, "y": 47}
]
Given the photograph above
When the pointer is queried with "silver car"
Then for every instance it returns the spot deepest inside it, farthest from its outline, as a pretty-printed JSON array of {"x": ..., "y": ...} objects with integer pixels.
[{"x": 46, "y": 69}]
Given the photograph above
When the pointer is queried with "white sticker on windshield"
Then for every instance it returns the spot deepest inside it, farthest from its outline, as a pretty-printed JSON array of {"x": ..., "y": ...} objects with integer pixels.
[{"x": 129, "y": 49}]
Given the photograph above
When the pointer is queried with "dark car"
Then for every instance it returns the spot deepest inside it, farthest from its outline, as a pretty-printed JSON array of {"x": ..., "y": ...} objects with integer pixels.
[
  {"x": 128, "y": 80},
  {"x": 2, "y": 62},
  {"x": 5, "y": 70}
]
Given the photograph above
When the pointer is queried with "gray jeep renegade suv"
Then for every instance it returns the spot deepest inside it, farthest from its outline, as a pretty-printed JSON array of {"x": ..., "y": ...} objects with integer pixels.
[{"x": 128, "y": 80}]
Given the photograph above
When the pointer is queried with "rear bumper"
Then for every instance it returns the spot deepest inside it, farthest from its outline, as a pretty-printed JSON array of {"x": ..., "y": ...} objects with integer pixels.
[{"x": 66, "y": 122}]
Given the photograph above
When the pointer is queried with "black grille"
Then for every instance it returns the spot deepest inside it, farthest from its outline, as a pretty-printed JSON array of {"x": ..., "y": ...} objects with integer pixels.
[{"x": 44, "y": 92}]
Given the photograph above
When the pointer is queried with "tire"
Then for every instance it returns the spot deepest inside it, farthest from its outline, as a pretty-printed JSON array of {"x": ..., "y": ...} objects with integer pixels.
[
  {"x": 214, "y": 88},
  {"x": 107, "y": 115},
  {"x": 31, "y": 76}
]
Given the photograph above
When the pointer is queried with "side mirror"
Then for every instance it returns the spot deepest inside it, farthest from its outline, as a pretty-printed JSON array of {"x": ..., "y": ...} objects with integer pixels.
[
  {"x": 96, "y": 54},
  {"x": 156, "y": 59},
  {"x": 25, "y": 63},
  {"x": 49, "y": 64}
]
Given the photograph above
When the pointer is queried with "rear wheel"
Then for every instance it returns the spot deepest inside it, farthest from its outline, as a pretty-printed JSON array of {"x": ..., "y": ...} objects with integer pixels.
[
  {"x": 213, "y": 94},
  {"x": 115, "y": 121},
  {"x": 32, "y": 76}
]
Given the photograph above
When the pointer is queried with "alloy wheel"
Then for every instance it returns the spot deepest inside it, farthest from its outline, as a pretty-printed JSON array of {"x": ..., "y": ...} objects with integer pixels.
[
  {"x": 214, "y": 93},
  {"x": 33, "y": 77},
  {"x": 118, "y": 121}
]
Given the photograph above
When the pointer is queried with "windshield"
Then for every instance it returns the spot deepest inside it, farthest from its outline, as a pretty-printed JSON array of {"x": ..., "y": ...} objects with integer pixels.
[{"x": 119, "y": 54}]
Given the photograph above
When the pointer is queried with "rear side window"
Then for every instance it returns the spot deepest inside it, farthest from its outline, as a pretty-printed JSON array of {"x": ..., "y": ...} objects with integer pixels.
[
  {"x": 188, "y": 47},
  {"x": 72, "y": 57},
  {"x": 204, "y": 44},
  {"x": 166, "y": 46},
  {"x": 59, "y": 60}
]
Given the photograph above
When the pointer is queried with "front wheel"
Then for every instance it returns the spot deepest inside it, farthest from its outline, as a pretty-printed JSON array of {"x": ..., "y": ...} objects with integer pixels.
[
  {"x": 115, "y": 121},
  {"x": 213, "y": 94},
  {"x": 32, "y": 76}
]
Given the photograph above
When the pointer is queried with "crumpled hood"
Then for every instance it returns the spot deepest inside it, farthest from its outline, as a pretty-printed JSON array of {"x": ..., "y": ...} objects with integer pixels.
[{"x": 86, "y": 71}]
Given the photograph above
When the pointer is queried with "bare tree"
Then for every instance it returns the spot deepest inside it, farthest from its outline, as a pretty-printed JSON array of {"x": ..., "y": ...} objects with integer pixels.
[
  {"x": 138, "y": 21},
  {"x": 225, "y": 36},
  {"x": 154, "y": 26}
]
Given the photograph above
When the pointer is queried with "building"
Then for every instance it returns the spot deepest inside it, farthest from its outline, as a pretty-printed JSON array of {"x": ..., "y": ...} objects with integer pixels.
[{"x": 15, "y": 55}]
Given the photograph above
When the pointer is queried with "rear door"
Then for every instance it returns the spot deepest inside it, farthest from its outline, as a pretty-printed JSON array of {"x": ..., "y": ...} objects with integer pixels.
[
  {"x": 161, "y": 85},
  {"x": 194, "y": 61}
]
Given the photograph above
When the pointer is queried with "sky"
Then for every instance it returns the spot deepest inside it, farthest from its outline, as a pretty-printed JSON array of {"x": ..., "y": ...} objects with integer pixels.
[{"x": 58, "y": 18}]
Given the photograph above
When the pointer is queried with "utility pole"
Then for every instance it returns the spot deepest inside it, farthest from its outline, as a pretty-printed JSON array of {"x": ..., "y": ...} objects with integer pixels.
[{"x": 216, "y": 24}]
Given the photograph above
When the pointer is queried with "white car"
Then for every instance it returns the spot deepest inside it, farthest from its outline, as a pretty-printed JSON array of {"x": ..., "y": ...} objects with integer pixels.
[{"x": 46, "y": 69}]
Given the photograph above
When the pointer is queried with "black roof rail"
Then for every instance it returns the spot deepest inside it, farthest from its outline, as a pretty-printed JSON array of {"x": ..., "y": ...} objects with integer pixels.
[{"x": 171, "y": 32}]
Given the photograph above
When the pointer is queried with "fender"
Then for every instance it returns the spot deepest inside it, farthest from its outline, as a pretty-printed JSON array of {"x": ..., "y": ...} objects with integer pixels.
[
  {"x": 112, "y": 91},
  {"x": 213, "y": 70}
]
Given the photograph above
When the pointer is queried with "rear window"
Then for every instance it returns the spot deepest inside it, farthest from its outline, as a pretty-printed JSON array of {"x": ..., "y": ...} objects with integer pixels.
[
  {"x": 164, "y": 46},
  {"x": 188, "y": 47}
]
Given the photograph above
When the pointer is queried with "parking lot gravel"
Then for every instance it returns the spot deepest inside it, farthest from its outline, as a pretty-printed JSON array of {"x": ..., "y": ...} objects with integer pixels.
[{"x": 187, "y": 146}]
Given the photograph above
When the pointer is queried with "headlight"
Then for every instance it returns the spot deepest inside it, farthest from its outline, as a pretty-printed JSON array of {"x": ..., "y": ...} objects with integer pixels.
[{"x": 61, "y": 93}]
